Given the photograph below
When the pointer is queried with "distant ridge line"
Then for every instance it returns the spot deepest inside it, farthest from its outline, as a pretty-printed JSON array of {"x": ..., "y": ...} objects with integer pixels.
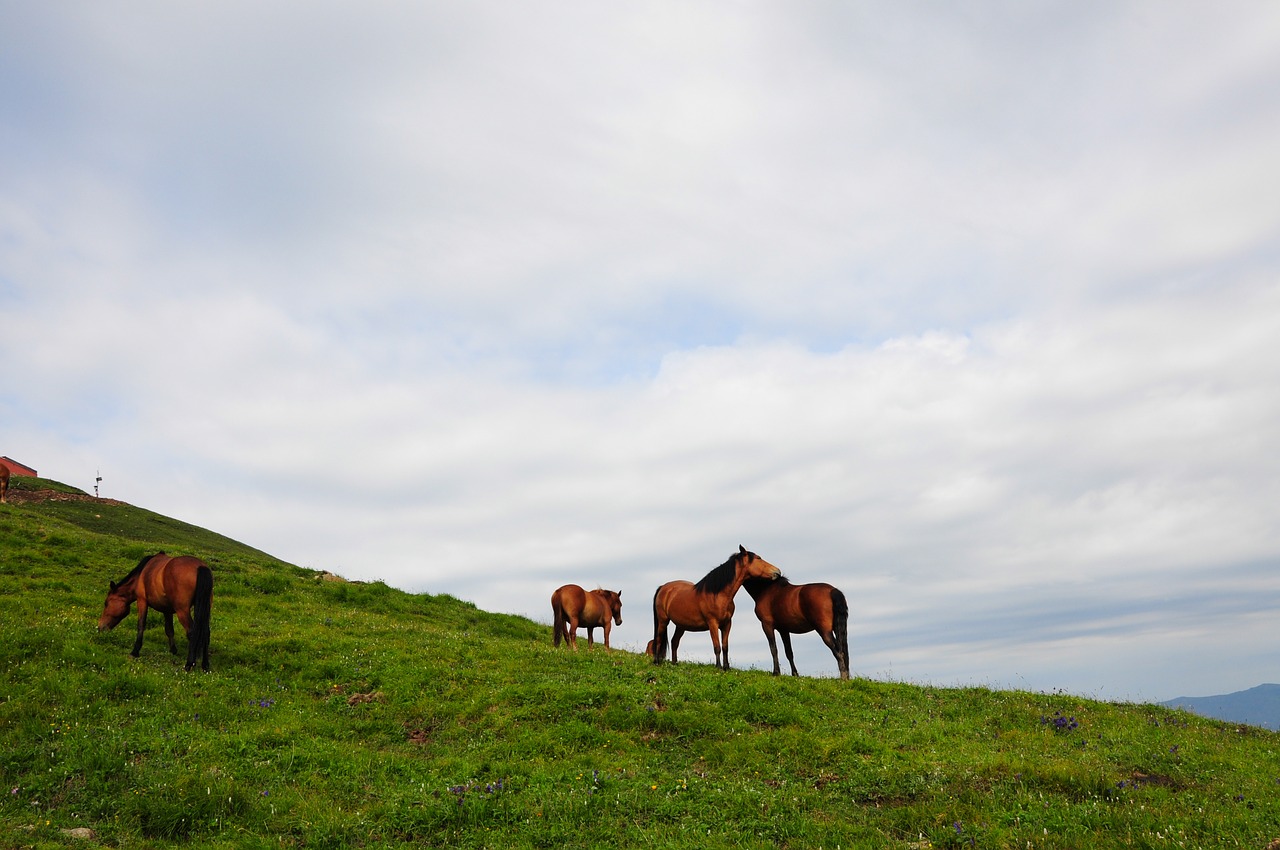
[{"x": 1257, "y": 706}]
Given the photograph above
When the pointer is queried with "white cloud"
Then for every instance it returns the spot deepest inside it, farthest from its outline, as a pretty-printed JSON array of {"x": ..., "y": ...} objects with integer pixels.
[{"x": 972, "y": 314}]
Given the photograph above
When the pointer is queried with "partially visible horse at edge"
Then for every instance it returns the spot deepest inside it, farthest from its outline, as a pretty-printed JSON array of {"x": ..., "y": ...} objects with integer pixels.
[
  {"x": 4, "y": 481},
  {"x": 181, "y": 585},
  {"x": 571, "y": 607},
  {"x": 706, "y": 606},
  {"x": 794, "y": 609}
]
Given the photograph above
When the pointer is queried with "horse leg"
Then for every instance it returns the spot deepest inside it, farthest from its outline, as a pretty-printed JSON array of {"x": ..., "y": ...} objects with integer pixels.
[
  {"x": 168, "y": 633},
  {"x": 142, "y": 627},
  {"x": 773, "y": 648},
  {"x": 659, "y": 642},
  {"x": 842, "y": 658},
  {"x": 675, "y": 642},
  {"x": 185, "y": 619},
  {"x": 791, "y": 658},
  {"x": 720, "y": 642},
  {"x": 607, "y": 624},
  {"x": 715, "y": 643},
  {"x": 829, "y": 639},
  {"x": 591, "y": 636},
  {"x": 842, "y": 650},
  {"x": 571, "y": 632},
  {"x": 724, "y": 641}
]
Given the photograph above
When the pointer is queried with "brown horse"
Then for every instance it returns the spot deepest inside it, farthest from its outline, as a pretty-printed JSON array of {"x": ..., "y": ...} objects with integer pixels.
[
  {"x": 571, "y": 607},
  {"x": 180, "y": 585},
  {"x": 706, "y": 606},
  {"x": 794, "y": 609},
  {"x": 4, "y": 481}
]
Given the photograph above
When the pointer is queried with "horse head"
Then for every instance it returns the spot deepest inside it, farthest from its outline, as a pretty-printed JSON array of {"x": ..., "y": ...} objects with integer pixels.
[
  {"x": 757, "y": 567},
  {"x": 115, "y": 609},
  {"x": 613, "y": 598}
]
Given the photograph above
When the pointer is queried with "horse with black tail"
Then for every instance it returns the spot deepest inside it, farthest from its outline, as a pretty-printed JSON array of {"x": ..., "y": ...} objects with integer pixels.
[
  {"x": 181, "y": 585},
  {"x": 793, "y": 609},
  {"x": 706, "y": 606}
]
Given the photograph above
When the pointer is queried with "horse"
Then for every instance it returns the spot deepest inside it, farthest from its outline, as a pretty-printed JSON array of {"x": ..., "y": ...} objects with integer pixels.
[
  {"x": 706, "y": 606},
  {"x": 4, "y": 481},
  {"x": 571, "y": 607},
  {"x": 181, "y": 585},
  {"x": 793, "y": 609}
]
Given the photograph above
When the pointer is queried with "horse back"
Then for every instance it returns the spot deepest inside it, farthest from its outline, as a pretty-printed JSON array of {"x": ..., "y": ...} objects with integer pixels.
[
  {"x": 671, "y": 594},
  {"x": 818, "y": 593},
  {"x": 595, "y": 608},
  {"x": 817, "y": 604},
  {"x": 569, "y": 598},
  {"x": 169, "y": 583}
]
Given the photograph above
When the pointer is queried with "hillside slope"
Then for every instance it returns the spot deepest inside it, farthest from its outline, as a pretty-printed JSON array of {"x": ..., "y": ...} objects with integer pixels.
[{"x": 341, "y": 715}]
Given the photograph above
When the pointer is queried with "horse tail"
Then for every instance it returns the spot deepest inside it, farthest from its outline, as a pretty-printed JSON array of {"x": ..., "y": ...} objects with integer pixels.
[
  {"x": 557, "y": 617},
  {"x": 659, "y": 633},
  {"x": 201, "y": 610},
  {"x": 840, "y": 628}
]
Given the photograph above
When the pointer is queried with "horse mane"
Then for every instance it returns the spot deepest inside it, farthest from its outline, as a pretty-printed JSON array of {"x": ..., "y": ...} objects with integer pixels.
[
  {"x": 719, "y": 578},
  {"x": 133, "y": 573}
]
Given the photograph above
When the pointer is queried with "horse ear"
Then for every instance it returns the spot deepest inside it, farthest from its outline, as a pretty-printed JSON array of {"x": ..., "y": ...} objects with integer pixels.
[
  {"x": 113, "y": 585},
  {"x": 742, "y": 550}
]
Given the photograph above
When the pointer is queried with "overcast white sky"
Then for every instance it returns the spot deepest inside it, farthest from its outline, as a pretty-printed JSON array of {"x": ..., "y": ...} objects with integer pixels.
[{"x": 972, "y": 310}]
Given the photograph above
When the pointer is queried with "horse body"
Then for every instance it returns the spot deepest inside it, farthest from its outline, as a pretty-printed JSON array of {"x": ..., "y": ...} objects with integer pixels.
[
  {"x": 793, "y": 609},
  {"x": 571, "y": 607},
  {"x": 4, "y": 481},
  {"x": 181, "y": 585},
  {"x": 706, "y": 606}
]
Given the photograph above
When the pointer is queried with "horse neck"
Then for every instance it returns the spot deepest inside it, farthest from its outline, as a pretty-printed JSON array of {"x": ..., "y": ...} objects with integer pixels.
[
  {"x": 757, "y": 587},
  {"x": 739, "y": 576},
  {"x": 128, "y": 586}
]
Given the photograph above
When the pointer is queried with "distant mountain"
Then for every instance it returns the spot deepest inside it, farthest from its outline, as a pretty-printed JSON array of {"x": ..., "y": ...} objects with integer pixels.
[{"x": 1258, "y": 706}]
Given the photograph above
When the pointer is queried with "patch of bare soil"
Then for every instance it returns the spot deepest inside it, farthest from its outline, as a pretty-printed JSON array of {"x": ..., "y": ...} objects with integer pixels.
[{"x": 19, "y": 497}]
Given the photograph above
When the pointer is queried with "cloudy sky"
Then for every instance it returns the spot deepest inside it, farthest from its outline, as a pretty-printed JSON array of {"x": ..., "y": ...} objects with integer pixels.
[{"x": 972, "y": 310}]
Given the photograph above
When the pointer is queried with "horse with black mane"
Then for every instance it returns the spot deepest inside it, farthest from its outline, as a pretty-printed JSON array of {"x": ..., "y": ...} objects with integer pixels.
[
  {"x": 181, "y": 585},
  {"x": 706, "y": 606},
  {"x": 793, "y": 609}
]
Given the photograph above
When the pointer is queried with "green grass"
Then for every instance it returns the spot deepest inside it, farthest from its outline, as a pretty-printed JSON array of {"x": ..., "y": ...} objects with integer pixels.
[{"x": 348, "y": 715}]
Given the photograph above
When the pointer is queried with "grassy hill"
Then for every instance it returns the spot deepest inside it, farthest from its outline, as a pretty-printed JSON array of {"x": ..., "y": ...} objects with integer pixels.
[{"x": 350, "y": 715}]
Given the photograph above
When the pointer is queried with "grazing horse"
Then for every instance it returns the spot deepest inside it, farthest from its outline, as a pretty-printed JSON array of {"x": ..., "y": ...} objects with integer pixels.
[
  {"x": 793, "y": 609},
  {"x": 4, "y": 481},
  {"x": 180, "y": 585},
  {"x": 571, "y": 607},
  {"x": 706, "y": 606}
]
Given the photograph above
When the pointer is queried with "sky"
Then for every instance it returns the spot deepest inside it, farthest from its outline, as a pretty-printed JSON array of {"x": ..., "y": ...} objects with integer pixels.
[{"x": 969, "y": 309}]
